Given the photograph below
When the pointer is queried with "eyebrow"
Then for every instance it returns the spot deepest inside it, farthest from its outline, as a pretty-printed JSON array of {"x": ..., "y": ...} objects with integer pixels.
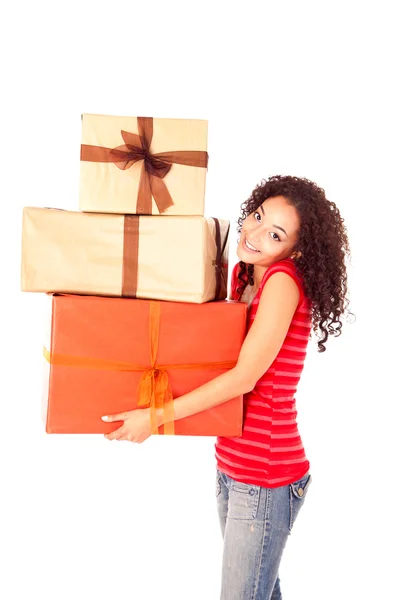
[
  {"x": 273, "y": 225},
  {"x": 281, "y": 228}
]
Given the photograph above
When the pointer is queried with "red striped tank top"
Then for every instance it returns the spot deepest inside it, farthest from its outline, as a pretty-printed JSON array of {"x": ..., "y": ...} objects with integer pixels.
[{"x": 270, "y": 451}]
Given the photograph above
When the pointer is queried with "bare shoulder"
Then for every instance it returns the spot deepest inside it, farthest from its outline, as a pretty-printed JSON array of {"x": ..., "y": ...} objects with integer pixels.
[{"x": 280, "y": 290}]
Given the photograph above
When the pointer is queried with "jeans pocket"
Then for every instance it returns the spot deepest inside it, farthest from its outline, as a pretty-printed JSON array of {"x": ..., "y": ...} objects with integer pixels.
[
  {"x": 243, "y": 500},
  {"x": 298, "y": 491}
]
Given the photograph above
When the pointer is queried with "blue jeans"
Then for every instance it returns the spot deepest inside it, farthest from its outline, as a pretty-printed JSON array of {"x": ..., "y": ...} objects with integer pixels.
[{"x": 255, "y": 523}]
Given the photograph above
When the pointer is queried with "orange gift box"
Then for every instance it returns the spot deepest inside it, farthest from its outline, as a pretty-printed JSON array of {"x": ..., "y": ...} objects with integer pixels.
[{"x": 99, "y": 351}]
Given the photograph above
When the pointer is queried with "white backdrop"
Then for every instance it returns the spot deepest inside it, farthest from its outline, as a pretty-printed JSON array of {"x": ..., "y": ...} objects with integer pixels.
[{"x": 302, "y": 88}]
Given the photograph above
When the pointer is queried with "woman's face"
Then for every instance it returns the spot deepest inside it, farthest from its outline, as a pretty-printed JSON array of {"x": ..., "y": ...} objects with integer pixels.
[{"x": 270, "y": 233}]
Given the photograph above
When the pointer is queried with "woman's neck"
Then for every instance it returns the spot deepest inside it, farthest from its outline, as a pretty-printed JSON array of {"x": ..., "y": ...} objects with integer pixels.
[{"x": 259, "y": 273}]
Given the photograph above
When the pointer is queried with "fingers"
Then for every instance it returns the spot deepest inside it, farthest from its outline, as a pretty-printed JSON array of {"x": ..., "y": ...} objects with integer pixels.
[
  {"x": 122, "y": 436},
  {"x": 116, "y": 435},
  {"x": 117, "y": 417}
]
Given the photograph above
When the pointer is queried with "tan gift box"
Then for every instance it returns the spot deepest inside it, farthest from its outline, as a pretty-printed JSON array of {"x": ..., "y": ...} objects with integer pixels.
[
  {"x": 141, "y": 165},
  {"x": 181, "y": 259}
]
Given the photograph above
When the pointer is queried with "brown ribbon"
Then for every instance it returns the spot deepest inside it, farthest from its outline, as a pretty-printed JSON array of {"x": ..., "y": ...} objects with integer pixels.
[
  {"x": 220, "y": 267},
  {"x": 154, "y": 168},
  {"x": 131, "y": 254}
]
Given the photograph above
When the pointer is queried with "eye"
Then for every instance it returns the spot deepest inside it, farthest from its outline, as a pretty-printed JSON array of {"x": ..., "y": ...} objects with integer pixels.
[
  {"x": 277, "y": 239},
  {"x": 257, "y": 216}
]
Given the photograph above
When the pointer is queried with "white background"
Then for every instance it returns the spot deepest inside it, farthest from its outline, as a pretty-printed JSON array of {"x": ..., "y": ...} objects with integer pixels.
[{"x": 302, "y": 88}]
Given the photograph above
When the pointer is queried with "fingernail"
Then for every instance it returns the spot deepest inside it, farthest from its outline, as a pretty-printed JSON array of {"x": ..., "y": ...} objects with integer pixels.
[{"x": 105, "y": 418}]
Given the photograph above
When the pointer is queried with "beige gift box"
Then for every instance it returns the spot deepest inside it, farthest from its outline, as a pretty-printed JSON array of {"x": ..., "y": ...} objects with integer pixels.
[
  {"x": 141, "y": 165},
  {"x": 181, "y": 259}
]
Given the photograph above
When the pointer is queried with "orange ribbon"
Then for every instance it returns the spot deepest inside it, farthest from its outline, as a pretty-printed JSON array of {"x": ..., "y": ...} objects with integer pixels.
[
  {"x": 155, "y": 166},
  {"x": 154, "y": 390},
  {"x": 154, "y": 387}
]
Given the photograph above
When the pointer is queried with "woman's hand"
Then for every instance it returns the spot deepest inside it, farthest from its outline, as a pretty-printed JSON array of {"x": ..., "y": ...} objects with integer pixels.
[{"x": 136, "y": 426}]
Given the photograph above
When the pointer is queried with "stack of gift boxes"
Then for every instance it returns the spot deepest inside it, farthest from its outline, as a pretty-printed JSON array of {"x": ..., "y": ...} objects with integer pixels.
[{"x": 136, "y": 280}]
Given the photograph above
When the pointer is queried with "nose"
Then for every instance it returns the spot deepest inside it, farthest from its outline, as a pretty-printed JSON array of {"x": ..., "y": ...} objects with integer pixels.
[{"x": 253, "y": 237}]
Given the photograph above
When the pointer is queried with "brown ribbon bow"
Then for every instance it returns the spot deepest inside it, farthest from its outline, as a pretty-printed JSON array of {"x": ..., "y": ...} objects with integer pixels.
[{"x": 155, "y": 166}]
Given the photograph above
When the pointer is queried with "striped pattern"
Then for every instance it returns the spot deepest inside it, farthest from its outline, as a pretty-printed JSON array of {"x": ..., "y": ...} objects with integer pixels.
[{"x": 270, "y": 451}]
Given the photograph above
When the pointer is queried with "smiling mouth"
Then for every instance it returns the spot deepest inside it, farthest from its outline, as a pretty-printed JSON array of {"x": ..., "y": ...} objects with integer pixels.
[{"x": 249, "y": 247}]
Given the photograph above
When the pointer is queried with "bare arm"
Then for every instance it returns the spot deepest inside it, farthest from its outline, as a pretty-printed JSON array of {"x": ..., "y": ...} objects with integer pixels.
[{"x": 278, "y": 304}]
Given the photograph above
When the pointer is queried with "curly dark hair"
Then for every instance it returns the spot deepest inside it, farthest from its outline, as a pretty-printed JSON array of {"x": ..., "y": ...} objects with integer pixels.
[{"x": 323, "y": 244}]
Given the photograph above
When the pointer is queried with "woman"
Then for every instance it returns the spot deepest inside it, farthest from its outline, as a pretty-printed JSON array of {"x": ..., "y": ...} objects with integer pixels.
[{"x": 292, "y": 274}]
